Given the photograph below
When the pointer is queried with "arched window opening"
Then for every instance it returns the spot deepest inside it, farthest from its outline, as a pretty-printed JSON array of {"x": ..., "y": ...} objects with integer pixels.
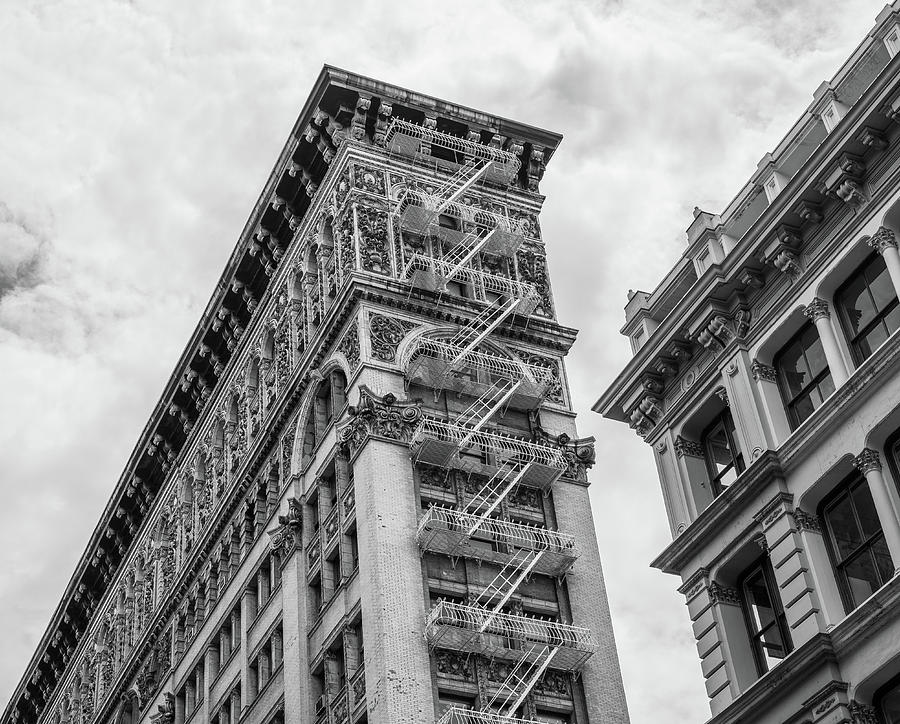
[
  {"x": 329, "y": 400},
  {"x": 868, "y": 307}
]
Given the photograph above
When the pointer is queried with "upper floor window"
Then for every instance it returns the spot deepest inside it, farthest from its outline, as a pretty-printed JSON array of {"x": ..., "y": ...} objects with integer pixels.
[
  {"x": 767, "y": 626},
  {"x": 803, "y": 375},
  {"x": 856, "y": 544},
  {"x": 722, "y": 450},
  {"x": 887, "y": 701},
  {"x": 868, "y": 307}
]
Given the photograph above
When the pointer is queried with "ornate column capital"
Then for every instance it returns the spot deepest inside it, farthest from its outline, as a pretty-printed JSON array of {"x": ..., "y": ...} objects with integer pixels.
[
  {"x": 867, "y": 461},
  {"x": 817, "y": 309},
  {"x": 377, "y": 416},
  {"x": 882, "y": 239},
  {"x": 722, "y": 594},
  {"x": 762, "y": 372},
  {"x": 687, "y": 448},
  {"x": 806, "y": 521},
  {"x": 862, "y": 713}
]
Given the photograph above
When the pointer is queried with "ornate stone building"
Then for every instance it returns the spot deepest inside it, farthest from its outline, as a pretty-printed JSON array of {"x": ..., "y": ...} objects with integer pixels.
[
  {"x": 766, "y": 380},
  {"x": 361, "y": 497}
]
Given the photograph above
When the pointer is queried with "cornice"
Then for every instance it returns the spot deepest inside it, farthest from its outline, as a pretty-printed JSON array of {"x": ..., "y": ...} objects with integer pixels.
[
  {"x": 727, "y": 506},
  {"x": 748, "y": 249}
]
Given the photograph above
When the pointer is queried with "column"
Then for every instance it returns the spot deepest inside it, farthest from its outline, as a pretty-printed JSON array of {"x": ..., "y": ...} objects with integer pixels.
[
  {"x": 820, "y": 571},
  {"x": 791, "y": 568},
  {"x": 817, "y": 310},
  {"x": 885, "y": 243},
  {"x": 694, "y": 474},
  {"x": 744, "y": 407},
  {"x": 868, "y": 462},
  {"x": 771, "y": 403}
]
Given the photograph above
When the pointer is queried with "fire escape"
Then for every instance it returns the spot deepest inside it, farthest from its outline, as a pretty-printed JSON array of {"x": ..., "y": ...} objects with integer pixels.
[{"x": 497, "y": 383}]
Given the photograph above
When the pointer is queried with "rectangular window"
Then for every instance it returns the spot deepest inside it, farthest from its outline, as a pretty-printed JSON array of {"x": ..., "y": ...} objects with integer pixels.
[
  {"x": 867, "y": 303},
  {"x": 724, "y": 458},
  {"x": 859, "y": 554},
  {"x": 803, "y": 375},
  {"x": 764, "y": 616}
]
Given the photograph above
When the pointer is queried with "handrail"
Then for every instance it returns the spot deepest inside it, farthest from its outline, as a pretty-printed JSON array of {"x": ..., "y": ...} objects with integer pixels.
[
  {"x": 493, "y": 283},
  {"x": 456, "y": 715},
  {"x": 465, "y": 212},
  {"x": 516, "y": 534},
  {"x": 475, "y": 618},
  {"x": 453, "y": 143}
]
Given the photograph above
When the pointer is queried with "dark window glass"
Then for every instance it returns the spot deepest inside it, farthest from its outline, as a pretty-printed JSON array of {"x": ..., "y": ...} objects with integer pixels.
[
  {"x": 764, "y": 615},
  {"x": 803, "y": 375},
  {"x": 887, "y": 701},
  {"x": 724, "y": 458},
  {"x": 867, "y": 303},
  {"x": 856, "y": 543}
]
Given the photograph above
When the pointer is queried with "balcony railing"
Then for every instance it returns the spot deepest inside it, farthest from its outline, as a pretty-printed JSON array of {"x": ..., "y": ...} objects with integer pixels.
[
  {"x": 407, "y": 138},
  {"x": 439, "y": 442},
  {"x": 479, "y": 630},
  {"x": 455, "y": 715},
  {"x": 444, "y": 530},
  {"x": 436, "y": 363},
  {"x": 427, "y": 272}
]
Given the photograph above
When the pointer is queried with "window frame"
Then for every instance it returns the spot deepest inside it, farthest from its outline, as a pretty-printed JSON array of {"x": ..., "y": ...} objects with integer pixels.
[
  {"x": 851, "y": 339},
  {"x": 783, "y": 387},
  {"x": 763, "y": 564},
  {"x": 842, "y": 490},
  {"x": 737, "y": 462}
]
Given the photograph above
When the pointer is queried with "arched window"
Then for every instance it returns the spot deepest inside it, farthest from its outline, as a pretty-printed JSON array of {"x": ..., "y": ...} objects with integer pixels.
[
  {"x": 328, "y": 402},
  {"x": 868, "y": 307}
]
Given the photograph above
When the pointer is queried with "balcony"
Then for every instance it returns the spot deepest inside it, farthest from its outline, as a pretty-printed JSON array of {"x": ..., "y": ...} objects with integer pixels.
[
  {"x": 440, "y": 442},
  {"x": 441, "y": 365},
  {"x": 426, "y": 272},
  {"x": 444, "y": 530},
  {"x": 455, "y": 715},
  {"x": 477, "y": 630},
  {"x": 408, "y": 139},
  {"x": 419, "y": 213}
]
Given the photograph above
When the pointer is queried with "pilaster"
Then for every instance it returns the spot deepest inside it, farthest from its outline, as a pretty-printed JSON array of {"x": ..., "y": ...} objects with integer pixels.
[{"x": 745, "y": 407}]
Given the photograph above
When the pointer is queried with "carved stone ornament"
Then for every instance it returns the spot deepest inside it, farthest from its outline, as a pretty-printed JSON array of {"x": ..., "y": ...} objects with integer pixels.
[
  {"x": 882, "y": 239},
  {"x": 385, "y": 334},
  {"x": 376, "y": 416},
  {"x": 288, "y": 536},
  {"x": 851, "y": 193},
  {"x": 372, "y": 228},
  {"x": 862, "y": 713},
  {"x": 817, "y": 309},
  {"x": 687, "y": 448},
  {"x": 165, "y": 712},
  {"x": 580, "y": 454},
  {"x": 721, "y": 594},
  {"x": 349, "y": 345},
  {"x": 788, "y": 263},
  {"x": 762, "y": 372},
  {"x": 806, "y": 521},
  {"x": 867, "y": 461}
]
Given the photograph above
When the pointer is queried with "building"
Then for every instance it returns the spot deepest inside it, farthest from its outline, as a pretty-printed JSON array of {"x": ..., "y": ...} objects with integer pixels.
[
  {"x": 766, "y": 380},
  {"x": 272, "y": 553}
]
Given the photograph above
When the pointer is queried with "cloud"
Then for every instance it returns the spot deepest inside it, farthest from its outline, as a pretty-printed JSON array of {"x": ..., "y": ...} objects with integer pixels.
[{"x": 136, "y": 137}]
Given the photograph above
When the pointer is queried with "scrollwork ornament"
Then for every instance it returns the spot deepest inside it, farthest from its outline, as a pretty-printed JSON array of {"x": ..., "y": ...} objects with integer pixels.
[
  {"x": 385, "y": 334},
  {"x": 382, "y": 417}
]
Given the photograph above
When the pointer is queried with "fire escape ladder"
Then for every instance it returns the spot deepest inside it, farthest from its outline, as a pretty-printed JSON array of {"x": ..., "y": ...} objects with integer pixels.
[
  {"x": 485, "y": 407},
  {"x": 506, "y": 583},
  {"x": 521, "y": 680},
  {"x": 463, "y": 253},
  {"x": 460, "y": 182},
  {"x": 493, "y": 493},
  {"x": 473, "y": 334}
]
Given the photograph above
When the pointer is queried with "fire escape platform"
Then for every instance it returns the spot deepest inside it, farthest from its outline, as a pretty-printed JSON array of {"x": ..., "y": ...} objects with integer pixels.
[{"x": 445, "y": 531}]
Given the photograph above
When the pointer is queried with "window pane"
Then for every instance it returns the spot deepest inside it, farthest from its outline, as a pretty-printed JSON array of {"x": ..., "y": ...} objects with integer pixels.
[
  {"x": 803, "y": 408},
  {"x": 892, "y": 320},
  {"x": 865, "y": 510},
  {"x": 826, "y": 386},
  {"x": 815, "y": 355},
  {"x": 883, "y": 561},
  {"x": 862, "y": 578},
  {"x": 857, "y": 305},
  {"x": 880, "y": 283},
  {"x": 871, "y": 340},
  {"x": 844, "y": 530},
  {"x": 890, "y": 706},
  {"x": 758, "y": 602},
  {"x": 793, "y": 368},
  {"x": 773, "y": 646}
]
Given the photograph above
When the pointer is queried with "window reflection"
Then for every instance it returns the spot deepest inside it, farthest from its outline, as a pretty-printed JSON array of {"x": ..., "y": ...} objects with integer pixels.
[
  {"x": 868, "y": 307},
  {"x": 724, "y": 458},
  {"x": 764, "y": 615},
  {"x": 803, "y": 375}
]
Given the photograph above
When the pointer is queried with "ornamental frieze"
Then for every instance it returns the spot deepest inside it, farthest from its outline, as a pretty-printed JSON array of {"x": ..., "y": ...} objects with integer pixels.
[
  {"x": 372, "y": 231},
  {"x": 383, "y": 417},
  {"x": 349, "y": 345},
  {"x": 385, "y": 335},
  {"x": 532, "y": 266},
  {"x": 369, "y": 180}
]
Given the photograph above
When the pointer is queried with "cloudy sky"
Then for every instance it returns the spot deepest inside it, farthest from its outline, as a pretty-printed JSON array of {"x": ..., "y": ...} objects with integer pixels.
[{"x": 135, "y": 137}]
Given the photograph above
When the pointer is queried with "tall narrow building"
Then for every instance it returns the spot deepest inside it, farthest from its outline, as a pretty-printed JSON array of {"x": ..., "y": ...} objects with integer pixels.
[
  {"x": 361, "y": 497},
  {"x": 766, "y": 379}
]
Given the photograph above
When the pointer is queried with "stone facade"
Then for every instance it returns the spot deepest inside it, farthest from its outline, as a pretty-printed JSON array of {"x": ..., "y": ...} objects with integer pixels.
[
  {"x": 770, "y": 401},
  {"x": 265, "y": 555}
]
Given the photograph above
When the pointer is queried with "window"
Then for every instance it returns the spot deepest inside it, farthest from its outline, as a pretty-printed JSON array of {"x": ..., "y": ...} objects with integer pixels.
[
  {"x": 856, "y": 544},
  {"x": 887, "y": 701},
  {"x": 803, "y": 375},
  {"x": 724, "y": 458},
  {"x": 764, "y": 616},
  {"x": 867, "y": 304}
]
